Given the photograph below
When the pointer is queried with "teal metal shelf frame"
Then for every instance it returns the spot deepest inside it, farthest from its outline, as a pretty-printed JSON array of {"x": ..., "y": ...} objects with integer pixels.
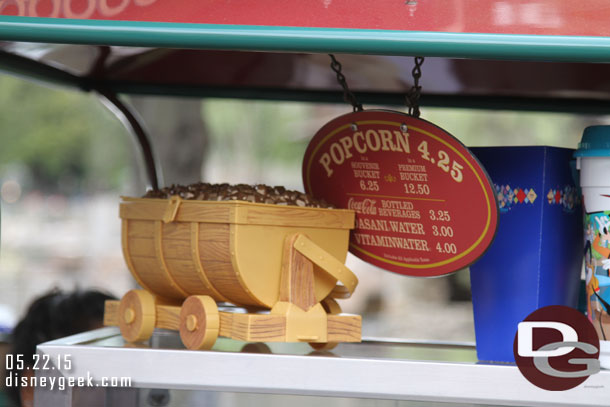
[{"x": 309, "y": 40}]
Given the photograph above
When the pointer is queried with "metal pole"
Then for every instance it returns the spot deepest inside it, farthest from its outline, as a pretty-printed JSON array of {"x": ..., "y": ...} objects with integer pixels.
[{"x": 129, "y": 118}]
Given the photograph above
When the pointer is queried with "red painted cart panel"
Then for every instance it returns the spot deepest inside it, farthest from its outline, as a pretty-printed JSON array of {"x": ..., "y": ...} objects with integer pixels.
[{"x": 540, "y": 17}]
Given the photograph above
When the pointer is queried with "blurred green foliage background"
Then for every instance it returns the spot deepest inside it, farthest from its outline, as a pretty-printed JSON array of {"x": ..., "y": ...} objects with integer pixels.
[
  {"x": 56, "y": 140},
  {"x": 59, "y": 141}
]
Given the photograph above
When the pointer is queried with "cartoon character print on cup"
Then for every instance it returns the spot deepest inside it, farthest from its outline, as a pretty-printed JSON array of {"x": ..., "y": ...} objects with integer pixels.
[{"x": 597, "y": 270}]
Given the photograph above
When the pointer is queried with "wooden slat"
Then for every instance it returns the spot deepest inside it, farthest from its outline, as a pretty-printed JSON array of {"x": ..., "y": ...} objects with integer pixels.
[
  {"x": 215, "y": 256},
  {"x": 185, "y": 274},
  {"x": 214, "y": 251},
  {"x": 199, "y": 270},
  {"x": 258, "y": 328},
  {"x": 142, "y": 247},
  {"x": 192, "y": 211},
  {"x": 189, "y": 211},
  {"x": 111, "y": 312},
  {"x": 176, "y": 249},
  {"x": 126, "y": 229},
  {"x": 263, "y": 328},
  {"x": 168, "y": 317},
  {"x": 154, "y": 278},
  {"x": 226, "y": 324},
  {"x": 222, "y": 276},
  {"x": 140, "y": 228},
  {"x": 177, "y": 230},
  {"x": 239, "y": 213},
  {"x": 163, "y": 271},
  {"x": 214, "y": 232},
  {"x": 296, "y": 282},
  {"x": 344, "y": 328},
  {"x": 295, "y": 216}
]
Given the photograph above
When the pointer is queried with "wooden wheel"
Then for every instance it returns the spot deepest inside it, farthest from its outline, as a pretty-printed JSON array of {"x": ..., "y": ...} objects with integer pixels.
[
  {"x": 137, "y": 315},
  {"x": 199, "y": 322},
  {"x": 331, "y": 307}
]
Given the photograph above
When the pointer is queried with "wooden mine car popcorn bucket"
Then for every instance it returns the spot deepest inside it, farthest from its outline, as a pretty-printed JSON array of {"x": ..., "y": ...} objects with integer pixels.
[{"x": 282, "y": 263}]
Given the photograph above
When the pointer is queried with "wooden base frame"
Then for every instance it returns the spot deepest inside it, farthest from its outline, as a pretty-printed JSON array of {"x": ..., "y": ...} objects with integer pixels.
[{"x": 249, "y": 327}]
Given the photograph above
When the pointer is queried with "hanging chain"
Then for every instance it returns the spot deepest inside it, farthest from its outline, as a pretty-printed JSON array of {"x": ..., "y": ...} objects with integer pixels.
[
  {"x": 348, "y": 96},
  {"x": 412, "y": 97}
]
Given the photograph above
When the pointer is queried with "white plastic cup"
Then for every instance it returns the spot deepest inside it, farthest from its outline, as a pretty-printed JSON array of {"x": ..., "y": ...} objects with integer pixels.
[
  {"x": 595, "y": 181},
  {"x": 604, "y": 354},
  {"x": 593, "y": 163}
]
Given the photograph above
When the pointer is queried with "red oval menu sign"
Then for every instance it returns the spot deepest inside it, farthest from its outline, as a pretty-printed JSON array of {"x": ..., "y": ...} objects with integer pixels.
[{"x": 424, "y": 205}]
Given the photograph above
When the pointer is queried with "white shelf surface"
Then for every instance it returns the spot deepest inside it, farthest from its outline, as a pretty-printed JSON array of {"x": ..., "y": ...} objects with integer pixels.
[{"x": 375, "y": 369}]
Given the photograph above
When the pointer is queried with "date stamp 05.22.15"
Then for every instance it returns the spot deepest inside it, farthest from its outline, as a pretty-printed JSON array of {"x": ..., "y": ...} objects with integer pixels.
[{"x": 37, "y": 372}]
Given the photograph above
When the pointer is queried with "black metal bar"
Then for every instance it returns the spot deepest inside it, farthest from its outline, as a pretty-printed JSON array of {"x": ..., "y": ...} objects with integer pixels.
[
  {"x": 460, "y": 101},
  {"x": 34, "y": 70},
  {"x": 131, "y": 121}
]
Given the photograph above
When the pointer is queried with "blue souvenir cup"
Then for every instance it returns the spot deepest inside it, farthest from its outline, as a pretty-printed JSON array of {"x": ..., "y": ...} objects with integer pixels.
[{"x": 536, "y": 257}]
